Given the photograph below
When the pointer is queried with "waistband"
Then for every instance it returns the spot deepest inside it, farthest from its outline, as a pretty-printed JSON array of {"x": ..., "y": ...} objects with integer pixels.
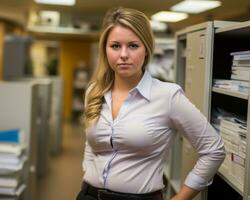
[{"x": 104, "y": 194}]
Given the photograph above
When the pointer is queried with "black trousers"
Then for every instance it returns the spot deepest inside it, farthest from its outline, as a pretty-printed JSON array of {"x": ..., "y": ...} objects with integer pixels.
[
  {"x": 89, "y": 192},
  {"x": 83, "y": 196}
]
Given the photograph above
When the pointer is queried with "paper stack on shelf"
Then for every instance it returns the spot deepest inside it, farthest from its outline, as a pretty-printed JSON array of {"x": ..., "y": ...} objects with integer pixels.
[
  {"x": 232, "y": 85},
  {"x": 13, "y": 157},
  {"x": 240, "y": 73},
  {"x": 241, "y": 65},
  {"x": 233, "y": 131},
  {"x": 80, "y": 83},
  {"x": 218, "y": 114}
]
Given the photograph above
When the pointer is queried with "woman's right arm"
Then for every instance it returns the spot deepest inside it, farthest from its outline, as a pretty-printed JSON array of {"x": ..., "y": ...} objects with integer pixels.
[{"x": 88, "y": 156}]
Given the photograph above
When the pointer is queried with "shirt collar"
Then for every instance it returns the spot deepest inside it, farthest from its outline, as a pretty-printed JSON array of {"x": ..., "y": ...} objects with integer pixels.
[
  {"x": 143, "y": 87},
  {"x": 108, "y": 98}
]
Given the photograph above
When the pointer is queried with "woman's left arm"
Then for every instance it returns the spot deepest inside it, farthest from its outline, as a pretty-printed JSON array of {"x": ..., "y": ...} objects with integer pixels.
[{"x": 187, "y": 119}]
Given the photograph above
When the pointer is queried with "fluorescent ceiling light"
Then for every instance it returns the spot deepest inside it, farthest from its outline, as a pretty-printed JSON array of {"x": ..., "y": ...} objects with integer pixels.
[
  {"x": 166, "y": 16},
  {"x": 57, "y": 2},
  {"x": 195, "y": 6},
  {"x": 158, "y": 26}
]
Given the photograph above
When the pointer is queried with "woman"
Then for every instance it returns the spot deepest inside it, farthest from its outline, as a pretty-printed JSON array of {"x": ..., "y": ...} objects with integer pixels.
[{"x": 132, "y": 119}]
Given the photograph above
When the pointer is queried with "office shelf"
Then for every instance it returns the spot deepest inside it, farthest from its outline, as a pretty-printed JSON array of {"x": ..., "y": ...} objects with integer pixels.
[
  {"x": 234, "y": 38},
  {"x": 232, "y": 181},
  {"x": 80, "y": 81},
  {"x": 230, "y": 93},
  {"x": 194, "y": 64}
]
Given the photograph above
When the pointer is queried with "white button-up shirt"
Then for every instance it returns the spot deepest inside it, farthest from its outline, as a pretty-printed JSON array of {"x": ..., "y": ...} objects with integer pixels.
[{"x": 128, "y": 154}]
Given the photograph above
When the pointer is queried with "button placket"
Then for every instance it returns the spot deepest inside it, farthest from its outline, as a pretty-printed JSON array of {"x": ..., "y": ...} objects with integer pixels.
[
  {"x": 112, "y": 136},
  {"x": 114, "y": 153}
]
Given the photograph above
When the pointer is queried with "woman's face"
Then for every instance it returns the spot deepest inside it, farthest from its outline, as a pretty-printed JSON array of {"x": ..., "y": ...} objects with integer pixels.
[{"x": 125, "y": 52}]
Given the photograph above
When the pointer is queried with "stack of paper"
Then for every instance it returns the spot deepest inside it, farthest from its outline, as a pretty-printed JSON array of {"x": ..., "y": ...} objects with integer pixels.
[
  {"x": 232, "y": 85},
  {"x": 240, "y": 74},
  {"x": 13, "y": 157},
  {"x": 233, "y": 132},
  {"x": 241, "y": 65},
  {"x": 218, "y": 114}
]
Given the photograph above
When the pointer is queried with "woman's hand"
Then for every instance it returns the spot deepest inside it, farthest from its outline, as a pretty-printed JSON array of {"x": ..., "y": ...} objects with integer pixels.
[
  {"x": 176, "y": 197},
  {"x": 186, "y": 193}
]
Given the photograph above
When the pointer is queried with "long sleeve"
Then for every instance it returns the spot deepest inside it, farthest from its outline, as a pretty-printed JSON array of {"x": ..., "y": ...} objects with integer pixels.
[
  {"x": 88, "y": 154},
  {"x": 88, "y": 157},
  {"x": 187, "y": 119}
]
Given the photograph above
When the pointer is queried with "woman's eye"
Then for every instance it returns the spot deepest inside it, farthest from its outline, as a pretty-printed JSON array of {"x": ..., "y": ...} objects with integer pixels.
[
  {"x": 115, "y": 46},
  {"x": 133, "y": 46}
]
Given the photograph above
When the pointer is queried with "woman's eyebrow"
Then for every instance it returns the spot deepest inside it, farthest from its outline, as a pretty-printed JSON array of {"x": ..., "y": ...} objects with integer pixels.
[
  {"x": 113, "y": 41},
  {"x": 136, "y": 41}
]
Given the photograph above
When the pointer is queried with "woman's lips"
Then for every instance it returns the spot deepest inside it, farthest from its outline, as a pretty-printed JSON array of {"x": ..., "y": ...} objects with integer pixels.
[{"x": 124, "y": 65}]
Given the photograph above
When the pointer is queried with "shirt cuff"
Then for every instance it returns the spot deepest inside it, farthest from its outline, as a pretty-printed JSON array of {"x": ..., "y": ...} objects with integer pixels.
[{"x": 196, "y": 182}]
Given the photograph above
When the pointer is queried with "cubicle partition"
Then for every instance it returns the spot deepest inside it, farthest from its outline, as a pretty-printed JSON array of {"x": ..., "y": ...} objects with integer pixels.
[{"x": 18, "y": 109}]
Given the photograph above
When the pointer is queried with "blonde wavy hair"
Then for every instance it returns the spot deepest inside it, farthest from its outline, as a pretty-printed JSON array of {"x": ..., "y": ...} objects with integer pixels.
[{"x": 103, "y": 78}]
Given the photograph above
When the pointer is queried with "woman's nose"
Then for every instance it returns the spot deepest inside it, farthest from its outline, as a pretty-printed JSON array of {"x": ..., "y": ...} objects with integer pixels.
[{"x": 124, "y": 53}]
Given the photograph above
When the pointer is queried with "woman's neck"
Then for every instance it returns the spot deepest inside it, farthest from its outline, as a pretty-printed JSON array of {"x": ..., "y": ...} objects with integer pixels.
[{"x": 126, "y": 84}]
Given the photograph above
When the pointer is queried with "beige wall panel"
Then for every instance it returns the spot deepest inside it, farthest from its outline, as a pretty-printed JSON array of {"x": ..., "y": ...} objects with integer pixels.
[
  {"x": 195, "y": 68},
  {"x": 194, "y": 90}
]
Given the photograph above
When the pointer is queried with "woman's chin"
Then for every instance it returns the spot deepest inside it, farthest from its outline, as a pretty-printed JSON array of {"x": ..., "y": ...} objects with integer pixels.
[{"x": 124, "y": 73}]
